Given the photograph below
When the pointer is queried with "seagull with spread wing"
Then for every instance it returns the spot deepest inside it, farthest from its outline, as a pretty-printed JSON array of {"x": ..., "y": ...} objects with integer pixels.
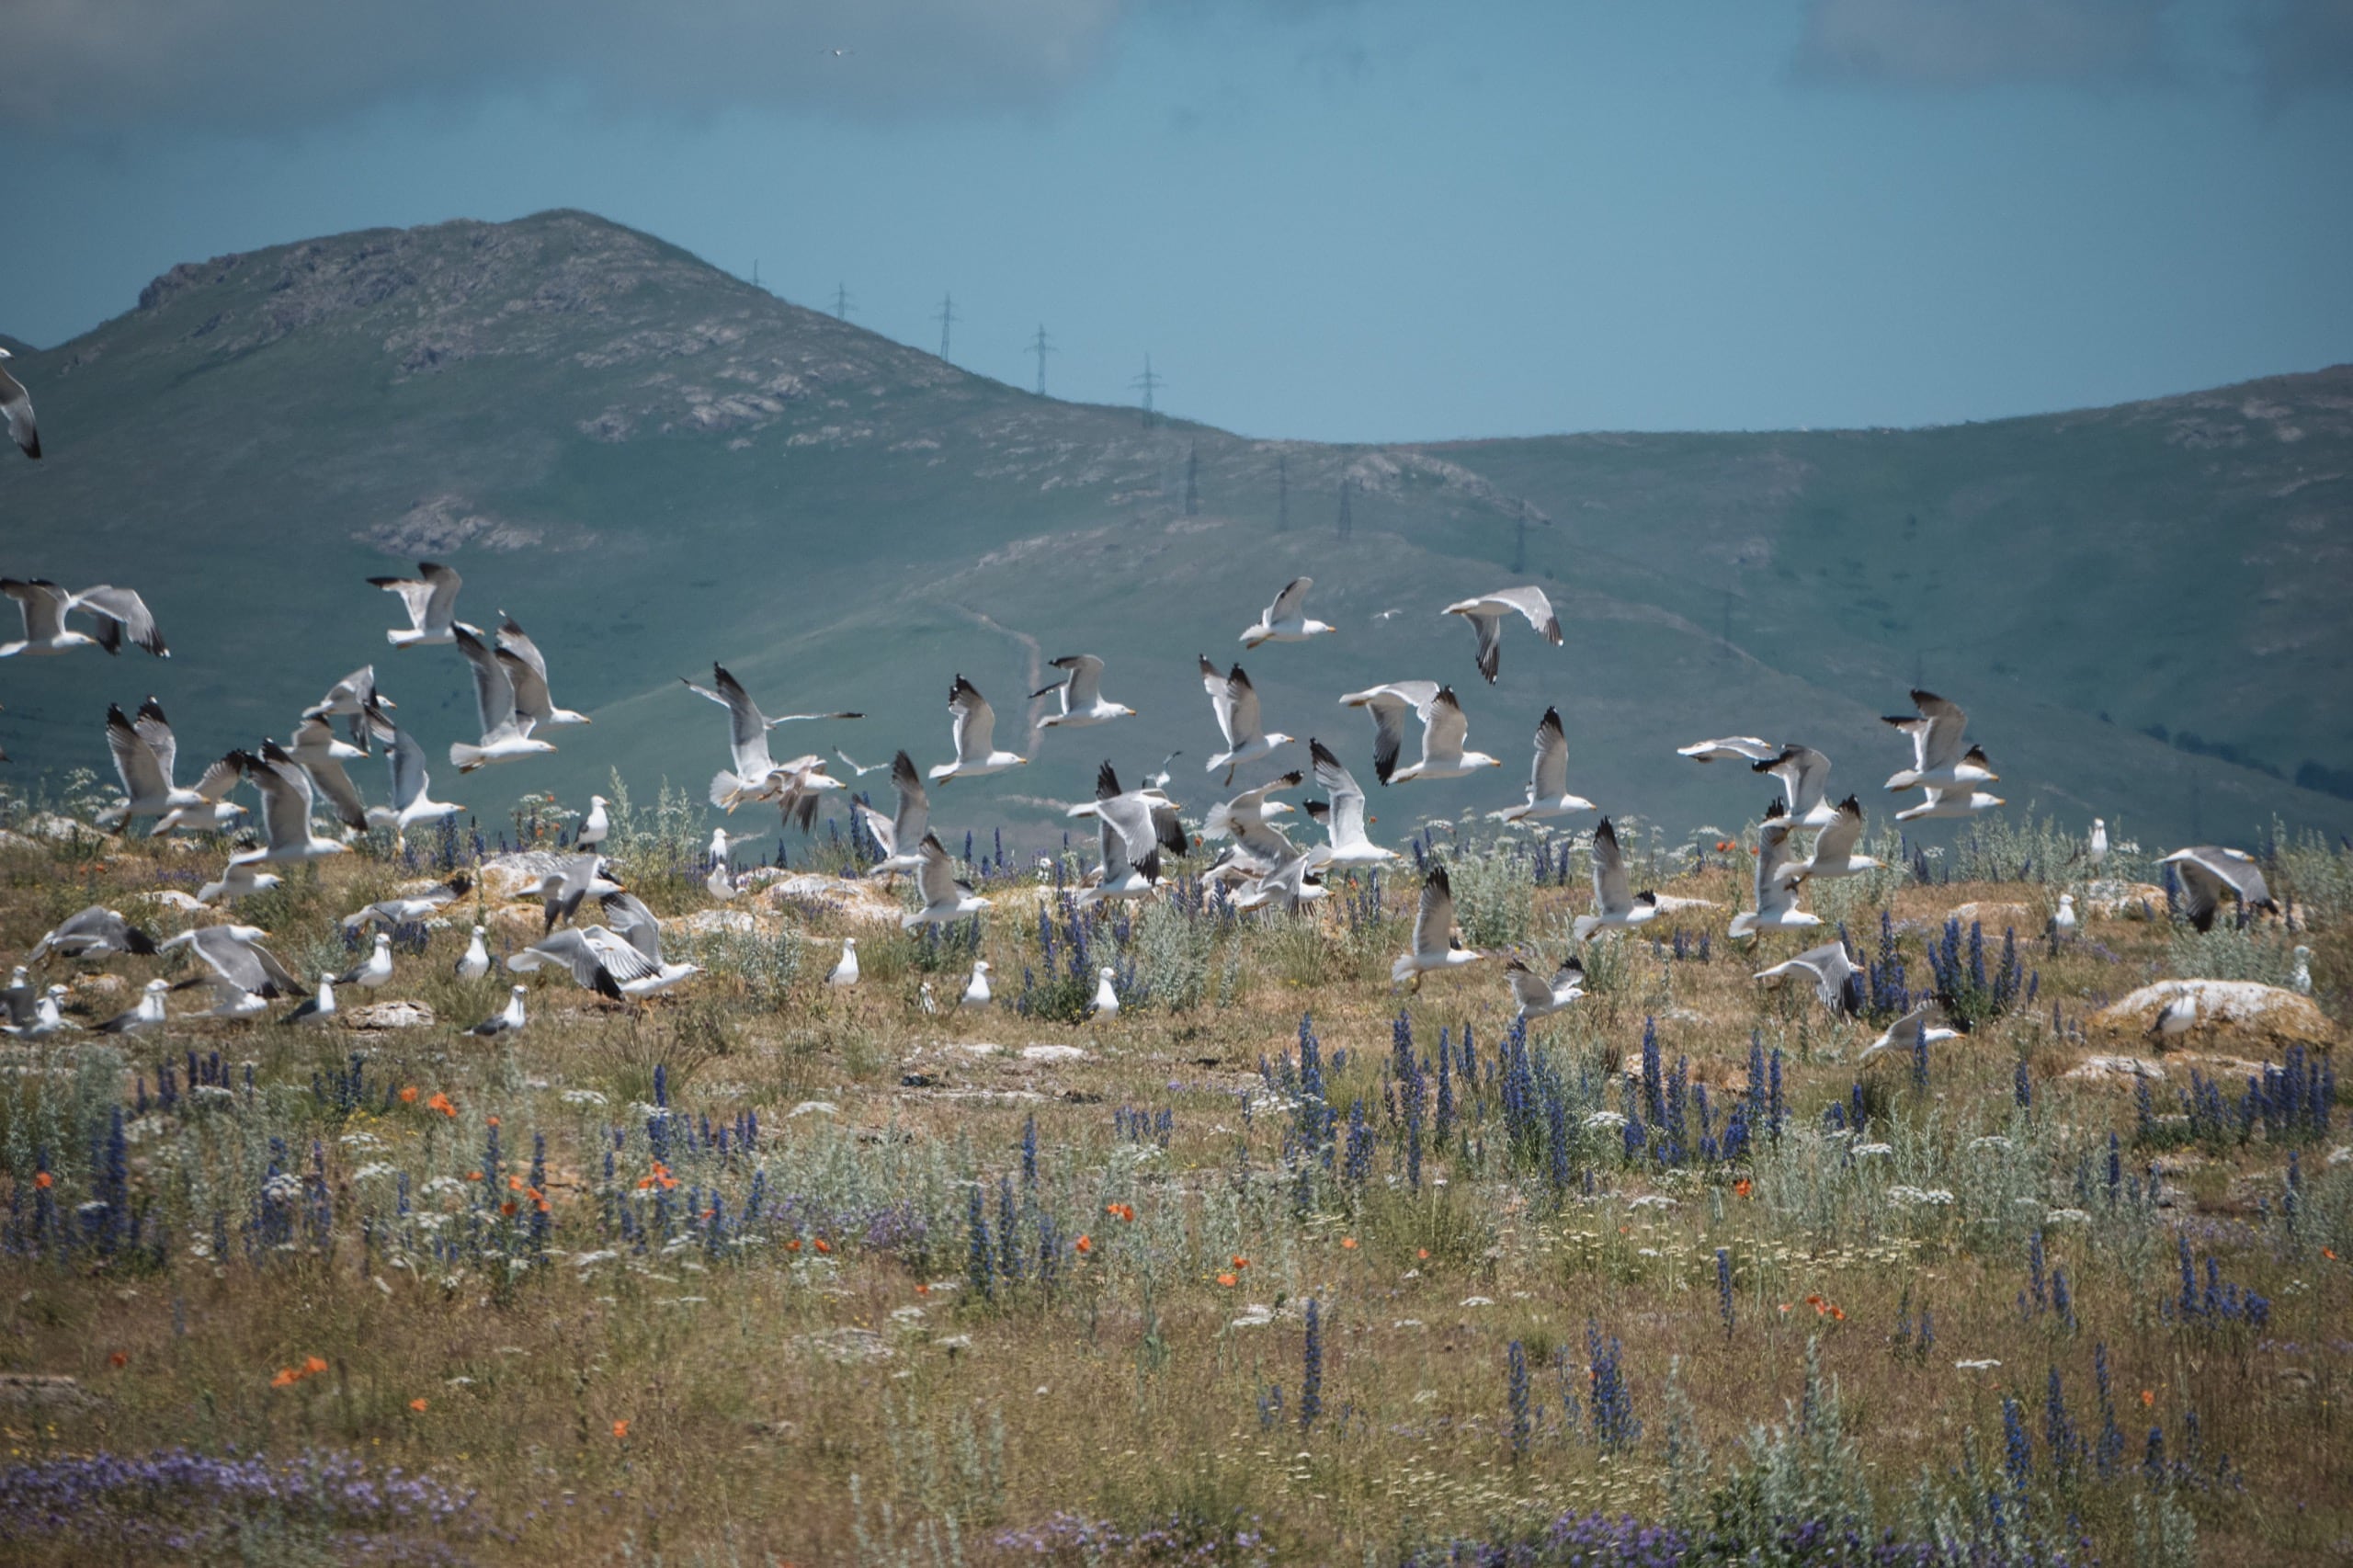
[
  {"x": 117, "y": 613},
  {"x": 1539, "y": 997},
  {"x": 973, "y": 725},
  {"x": 1486, "y": 615},
  {"x": 17, "y": 406},
  {"x": 945, "y": 898},
  {"x": 96, "y": 933},
  {"x": 1938, "y": 760},
  {"x": 1616, "y": 907},
  {"x": 1909, "y": 1033},
  {"x": 1343, "y": 814},
  {"x": 1954, "y": 800},
  {"x": 1446, "y": 732},
  {"x": 1127, "y": 838},
  {"x": 1389, "y": 705},
  {"x": 1435, "y": 946},
  {"x": 352, "y": 698},
  {"x": 526, "y": 670},
  {"x": 405, "y": 760},
  {"x": 1235, "y": 702},
  {"x": 1827, "y": 968},
  {"x": 1833, "y": 854},
  {"x": 1804, "y": 774},
  {"x": 899, "y": 834},
  {"x": 234, "y": 954},
  {"x": 1286, "y": 619},
  {"x": 431, "y": 599},
  {"x": 323, "y": 756},
  {"x": 287, "y": 831},
  {"x": 144, "y": 755},
  {"x": 506, "y": 729},
  {"x": 2210, "y": 874},
  {"x": 1777, "y": 890},
  {"x": 1547, "y": 778},
  {"x": 1731, "y": 748},
  {"x": 1081, "y": 690}
]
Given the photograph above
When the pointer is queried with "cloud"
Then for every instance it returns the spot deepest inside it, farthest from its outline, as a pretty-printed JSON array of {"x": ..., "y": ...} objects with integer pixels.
[
  {"x": 75, "y": 65},
  {"x": 1972, "y": 44}
]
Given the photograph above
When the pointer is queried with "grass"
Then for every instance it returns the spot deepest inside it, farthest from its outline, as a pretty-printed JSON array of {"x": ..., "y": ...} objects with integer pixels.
[{"x": 796, "y": 1344}]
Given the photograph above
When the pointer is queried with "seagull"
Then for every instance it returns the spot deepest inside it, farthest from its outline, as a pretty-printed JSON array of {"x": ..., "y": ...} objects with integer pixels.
[
  {"x": 1957, "y": 801},
  {"x": 721, "y": 883},
  {"x": 527, "y": 669},
  {"x": 1082, "y": 694},
  {"x": 373, "y": 970},
  {"x": 976, "y": 992},
  {"x": 1445, "y": 736},
  {"x": 1804, "y": 774},
  {"x": 588, "y": 953},
  {"x": 844, "y": 970},
  {"x": 1127, "y": 838},
  {"x": 1159, "y": 780},
  {"x": 47, "y": 1017},
  {"x": 217, "y": 813},
  {"x": 351, "y": 698},
  {"x": 1938, "y": 760},
  {"x": 96, "y": 933},
  {"x": 1486, "y": 614},
  {"x": 240, "y": 881},
  {"x": 318, "y": 1010},
  {"x": 973, "y": 722},
  {"x": 144, "y": 754},
  {"x": 1908, "y": 1034},
  {"x": 400, "y": 911},
  {"x": 1244, "y": 820},
  {"x": 1539, "y": 997},
  {"x": 595, "y": 825},
  {"x": 798, "y": 787},
  {"x": 411, "y": 804},
  {"x": 1547, "y": 778},
  {"x": 116, "y": 611},
  {"x": 856, "y": 770},
  {"x": 147, "y": 1015},
  {"x": 505, "y": 730},
  {"x": 21, "y": 997},
  {"x": 18, "y": 405},
  {"x": 431, "y": 598},
  {"x": 509, "y": 1020},
  {"x": 1342, "y": 815},
  {"x": 945, "y": 899},
  {"x": 1235, "y": 702},
  {"x": 633, "y": 925},
  {"x": 1615, "y": 906},
  {"x": 749, "y": 776},
  {"x": 476, "y": 961},
  {"x": 1435, "y": 944},
  {"x": 2176, "y": 1018},
  {"x": 2097, "y": 850},
  {"x": 1731, "y": 748},
  {"x": 1777, "y": 888},
  {"x": 1292, "y": 885},
  {"x": 1834, "y": 849},
  {"x": 1107, "y": 1001},
  {"x": 575, "y": 879},
  {"x": 323, "y": 756},
  {"x": 2063, "y": 924},
  {"x": 1389, "y": 705},
  {"x": 230, "y": 1000},
  {"x": 2300, "y": 982},
  {"x": 1826, "y": 968},
  {"x": 1286, "y": 619},
  {"x": 285, "y": 809},
  {"x": 2210, "y": 872},
  {"x": 898, "y": 835},
  {"x": 235, "y": 955}
]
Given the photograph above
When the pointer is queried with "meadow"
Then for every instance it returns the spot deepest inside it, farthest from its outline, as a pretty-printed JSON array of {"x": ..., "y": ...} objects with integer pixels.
[{"x": 1280, "y": 1264}]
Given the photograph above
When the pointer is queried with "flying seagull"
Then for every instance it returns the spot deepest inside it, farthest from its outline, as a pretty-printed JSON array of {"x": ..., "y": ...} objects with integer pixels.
[
  {"x": 240, "y": 880},
  {"x": 1615, "y": 905},
  {"x": 1235, "y": 702},
  {"x": 1909, "y": 1033},
  {"x": 506, "y": 729},
  {"x": 2209, "y": 873},
  {"x": 323, "y": 756},
  {"x": 1128, "y": 839},
  {"x": 1286, "y": 619},
  {"x": 431, "y": 599},
  {"x": 859, "y": 770},
  {"x": 285, "y": 808},
  {"x": 1242, "y": 819},
  {"x": 96, "y": 933},
  {"x": 1435, "y": 944},
  {"x": 1486, "y": 614},
  {"x": 632, "y": 924},
  {"x": 1389, "y": 705},
  {"x": 1445, "y": 734},
  {"x": 1082, "y": 694},
  {"x": 1539, "y": 997},
  {"x": 526, "y": 670},
  {"x": 576, "y": 879},
  {"x": 18, "y": 405},
  {"x": 1826, "y": 968},
  {"x": 973, "y": 727},
  {"x": 589, "y": 953},
  {"x": 145, "y": 752},
  {"x": 1804, "y": 774},
  {"x": 234, "y": 953},
  {"x": 1937, "y": 761},
  {"x": 1731, "y": 748},
  {"x": 899, "y": 835},
  {"x": 1342, "y": 815},
  {"x": 402, "y": 910},
  {"x": 1834, "y": 847},
  {"x": 945, "y": 899},
  {"x": 1547, "y": 778},
  {"x": 1777, "y": 890},
  {"x": 352, "y": 698},
  {"x": 1953, "y": 800},
  {"x": 405, "y": 759},
  {"x": 116, "y": 612},
  {"x": 1290, "y": 886}
]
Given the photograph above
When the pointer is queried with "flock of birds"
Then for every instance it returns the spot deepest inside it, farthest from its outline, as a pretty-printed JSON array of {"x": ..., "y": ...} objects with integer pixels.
[{"x": 609, "y": 942}]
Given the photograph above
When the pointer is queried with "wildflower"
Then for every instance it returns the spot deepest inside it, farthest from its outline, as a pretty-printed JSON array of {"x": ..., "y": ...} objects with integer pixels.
[
  {"x": 620, "y": 1428},
  {"x": 1838, "y": 1316},
  {"x": 2329, "y": 1253},
  {"x": 2148, "y": 1399},
  {"x": 1349, "y": 1243},
  {"x": 473, "y": 1175},
  {"x": 417, "y": 1405},
  {"x": 1423, "y": 1252},
  {"x": 823, "y": 1246},
  {"x": 514, "y": 1184},
  {"x": 792, "y": 1246},
  {"x": 493, "y": 1121},
  {"x": 921, "y": 1289},
  {"x": 1743, "y": 1187},
  {"x": 285, "y": 1378},
  {"x": 408, "y": 1095},
  {"x": 312, "y": 1364},
  {"x": 441, "y": 1103},
  {"x": 508, "y": 1207},
  {"x": 1228, "y": 1280},
  {"x": 43, "y": 1180},
  {"x": 1785, "y": 1306},
  {"x": 1083, "y": 1244},
  {"x": 119, "y": 1358},
  {"x": 1242, "y": 1262}
]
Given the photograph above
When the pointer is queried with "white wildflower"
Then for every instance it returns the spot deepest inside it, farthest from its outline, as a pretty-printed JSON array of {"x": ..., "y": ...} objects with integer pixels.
[{"x": 1874, "y": 1148}]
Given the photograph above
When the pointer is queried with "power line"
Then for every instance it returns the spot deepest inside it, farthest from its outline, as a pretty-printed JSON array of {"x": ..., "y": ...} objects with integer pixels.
[
  {"x": 1041, "y": 346},
  {"x": 1149, "y": 384},
  {"x": 947, "y": 318},
  {"x": 841, "y": 300}
]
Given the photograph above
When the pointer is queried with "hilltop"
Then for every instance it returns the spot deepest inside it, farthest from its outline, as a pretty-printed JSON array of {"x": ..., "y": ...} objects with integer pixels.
[{"x": 654, "y": 464}]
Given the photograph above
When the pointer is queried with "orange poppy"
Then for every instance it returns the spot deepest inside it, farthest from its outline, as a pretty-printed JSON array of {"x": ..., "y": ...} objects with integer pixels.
[
  {"x": 1422, "y": 1252},
  {"x": 43, "y": 1180},
  {"x": 514, "y": 1184},
  {"x": 2329, "y": 1253},
  {"x": 2148, "y": 1398},
  {"x": 1836, "y": 1315},
  {"x": 493, "y": 1121},
  {"x": 541, "y": 1204},
  {"x": 408, "y": 1095},
  {"x": 792, "y": 1246},
  {"x": 1240, "y": 1261},
  {"x": 313, "y": 1364},
  {"x": 508, "y": 1206},
  {"x": 1785, "y": 1306},
  {"x": 442, "y": 1103},
  {"x": 1084, "y": 1243},
  {"x": 1742, "y": 1187},
  {"x": 1349, "y": 1243},
  {"x": 416, "y": 1404},
  {"x": 620, "y": 1428},
  {"x": 922, "y": 1289},
  {"x": 473, "y": 1175},
  {"x": 1228, "y": 1280},
  {"x": 285, "y": 1378},
  {"x": 822, "y": 1246},
  {"x": 119, "y": 1358}
]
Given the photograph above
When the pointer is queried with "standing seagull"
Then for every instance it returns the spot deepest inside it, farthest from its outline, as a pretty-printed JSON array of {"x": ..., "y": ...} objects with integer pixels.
[
  {"x": 476, "y": 961},
  {"x": 374, "y": 970},
  {"x": 899, "y": 835},
  {"x": 1804, "y": 774},
  {"x": 1615, "y": 905},
  {"x": 2210, "y": 872},
  {"x": 1235, "y": 702},
  {"x": 510, "y": 1020},
  {"x": 1547, "y": 778},
  {"x": 147, "y": 1015},
  {"x": 845, "y": 970},
  {"x": 115, "y": 611},
  {"x": 2175, "y": 1019},
  {"x": 1286, "y": 620},
  {"x": 595, "y": 825},
  {"x": 527, "y": 669},
  {"x": 506, "y": 729},
  {"x": 286, "y": 799},
  {"x": 1909, "y": 1033},
  {"x": 1082, "y": 694},
  {"x": 1342, "y": 815},
  {"x": 18, "y": 405},
  {"x": 2063, "y": 923},
  {"x": 945, "y": 899},
  {"x": 721, "y": 883},
  {"x": 1777, "y": 890},
  {"x": 319, "y": 1010},
  {"x": 405, "y": 759},
  {"x": 976, "y": 990},
  {"x": 1937, "y": 761},
  {"x": 973, "y": 727},
  {"x": 2097, "y": 850},
  {"x": 1486, "y": 614},
  {"x": 1107, "y": 1001},
  {"x": 1435, "y": 944},
  {"x": 431, "y": 599}
]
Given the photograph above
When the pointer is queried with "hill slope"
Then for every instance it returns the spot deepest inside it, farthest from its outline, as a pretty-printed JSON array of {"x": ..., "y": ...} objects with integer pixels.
[{"x": 653, "y": 465}]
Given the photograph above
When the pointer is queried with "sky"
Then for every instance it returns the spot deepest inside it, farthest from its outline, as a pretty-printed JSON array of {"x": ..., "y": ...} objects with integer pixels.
[{"x": 1339, "y": 220}]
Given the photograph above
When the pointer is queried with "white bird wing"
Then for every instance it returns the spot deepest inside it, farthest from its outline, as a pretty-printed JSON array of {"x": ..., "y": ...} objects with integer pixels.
[
  {"x": 885, "y": 833},
  {"x": 218, "y": 778},
  {"x": 156, "y": 731},
  {"x": 936, "y": 877},
  {"x": 246, "y": 965},
  {"x": 973, "y": 721},
  {"x": 1731, "y": 748},
  {"x": 285, "y": 795},
  {"x": 1804, "y": 774},
  {"x": 747, "y": 727},
  {"x": 17, "y": 404},
  {"x": 1548, "y": 777},
  {"x": 1220, "y": 687},
  {"x": 120, "y": 612},
  {"x": 1533, "y": 603},
  {"x": 626, "y": 914},
  {"x": 1445, "y": 731},
  {"x": 1612, "y": 893},
  {"x": 912, "y": 819},
  {"x": 1489, "y": 625},
  {"x": 1528, "y": 988},
  {"x": 43, "y": 603},
  {"x": 493, "y": 692},
  {"x": 1084, "y": 688},
  {"x": 134, "y": 762},
  {"x": 1936, "y": 732},
  {"x": 1835, "y": 844},
  {"x": 530, "y": 686},
  {"x": 1772, "y": 857},
  {"x": 1345, "y": 823},
  {"x": 1290, "y": 602},
  {"x": 441, "y": 604},
  {"x": 1248, "y": 726},
  {"x": 1389, "y": 705},
  {"x": 405, "y": 760},
  {"x": 417, "y": 596},
  {"x": 1434, "y": 918},
  {"x": 514, "y": 639}
]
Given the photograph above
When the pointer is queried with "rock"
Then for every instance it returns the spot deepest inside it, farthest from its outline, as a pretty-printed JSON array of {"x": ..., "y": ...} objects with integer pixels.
[
  {"x": 387, "y": 1016},
  {"x": 1670, "y": 905},
  {"x": 813, "y": 1108},
  {"x": 2112, "y": 899},
  {"x": 1996, "y": 917},
  {"x": 853, "y": 899},
  {"x": 44, "y": 1391},
  {"x": 18, "y": 844},
  {"x": 60, "y": 830},
  {"x": 728, "y": 923},
  {"x": 95, "y": 984},
  {"x": 2104, "y": 1069},
  {"x": 2225, "y": 1008},
  {"x": 171, "y": 898},
  {"x": 512, "y": 876},
  {"x": 1053, "y": 1053}
]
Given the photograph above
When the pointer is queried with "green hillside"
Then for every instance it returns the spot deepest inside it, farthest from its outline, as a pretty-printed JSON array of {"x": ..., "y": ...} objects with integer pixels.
[{"x": 653, "y": 465}]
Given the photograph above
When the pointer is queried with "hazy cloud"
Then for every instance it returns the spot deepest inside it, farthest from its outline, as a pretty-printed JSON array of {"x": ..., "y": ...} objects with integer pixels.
[
  {"x": 1969, "y": 43},
  {"x": 79, "y": 65}
]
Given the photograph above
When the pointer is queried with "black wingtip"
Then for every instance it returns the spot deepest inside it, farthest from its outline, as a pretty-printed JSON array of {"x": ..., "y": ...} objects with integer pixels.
[
  {"x": 1107, "y": 782},
  {"x": 607, "y": 986},
  {"x": 139, "y": 941}
]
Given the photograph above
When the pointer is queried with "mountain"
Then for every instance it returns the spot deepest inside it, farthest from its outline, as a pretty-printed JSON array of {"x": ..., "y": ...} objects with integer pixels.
[{"x": 653, "y": 465}]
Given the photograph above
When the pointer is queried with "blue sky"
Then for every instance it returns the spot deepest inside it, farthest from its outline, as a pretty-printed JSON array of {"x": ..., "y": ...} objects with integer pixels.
[{"x": 1321, "y": 218}]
